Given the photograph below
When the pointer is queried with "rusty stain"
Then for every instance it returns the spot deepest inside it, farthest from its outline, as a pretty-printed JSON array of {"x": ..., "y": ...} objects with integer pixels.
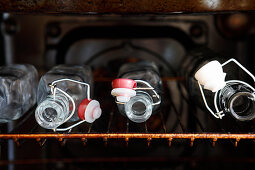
[
  {"x": 62, "y": 141},
  {"x": 39, "y": 141},
  {"x": 214, "y": 142},
  {"x": 170, "y": 142},
  {"x": 60, "y": 137},
  {"x": 127, "y": 139},
  {"x": 149, "y": 141},
  {"x": 192, "y": 142},
  {"x": 105, "y": 141},
  {"x": 84, "y": 141},
  {"x": 16, "y": 141},
  {"x": 123, "y": 6},
  {"x": 236, "y": 142}
]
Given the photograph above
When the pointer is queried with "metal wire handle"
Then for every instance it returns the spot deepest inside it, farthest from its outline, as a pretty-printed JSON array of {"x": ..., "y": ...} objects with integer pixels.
[
  {"x": 149, "y": 87},
  {"x": 54, "y": 88},
  {"x": 220, "y": 114}
]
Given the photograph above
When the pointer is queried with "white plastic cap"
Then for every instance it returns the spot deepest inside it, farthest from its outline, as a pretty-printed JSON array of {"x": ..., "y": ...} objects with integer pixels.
[
  {"x": 211, "y": 76},
  {"x": 123, "y": 94},
  {"x": 123, "y": 99},
  {"x": 97, "y": 113},
  {"x": 93, "y": 111}
]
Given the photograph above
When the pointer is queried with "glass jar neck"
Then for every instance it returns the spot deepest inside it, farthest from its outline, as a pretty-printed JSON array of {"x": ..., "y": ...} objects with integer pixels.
[
  {"x": 238, "y": 100},
  {"x": 139, "y": 108},
  {"x": 53, "y": 111}
]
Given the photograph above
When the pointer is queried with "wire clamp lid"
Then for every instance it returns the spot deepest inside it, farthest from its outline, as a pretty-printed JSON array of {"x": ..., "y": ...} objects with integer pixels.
[
  {"x": 211, "y": 76},
  {"x": 124, "y": 89},
  {"x": 93, "y": 106}
]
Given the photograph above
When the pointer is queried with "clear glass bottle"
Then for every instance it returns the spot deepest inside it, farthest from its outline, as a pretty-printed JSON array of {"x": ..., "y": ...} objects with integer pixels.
[
  {"x": 236, "y": 98},
  {"x": 140, "y": 107},
  {"x": 52, "y": 111},
  {"x": 18, "y": 87}
]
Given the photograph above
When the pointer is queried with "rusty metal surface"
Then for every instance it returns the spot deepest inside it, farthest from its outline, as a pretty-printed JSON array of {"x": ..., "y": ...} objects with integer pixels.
[
  {"x": 41, "y": 138},
  {"x": 124, "y": 6},
  {"x": 130, "y": 135}
]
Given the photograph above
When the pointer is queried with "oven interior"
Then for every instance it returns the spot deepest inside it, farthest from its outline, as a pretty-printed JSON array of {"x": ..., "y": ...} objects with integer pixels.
[{"x": 105, "y": 43}]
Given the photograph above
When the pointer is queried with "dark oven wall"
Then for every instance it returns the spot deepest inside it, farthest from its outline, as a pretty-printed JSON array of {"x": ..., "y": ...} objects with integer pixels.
[{"x": 48, "y": 40}]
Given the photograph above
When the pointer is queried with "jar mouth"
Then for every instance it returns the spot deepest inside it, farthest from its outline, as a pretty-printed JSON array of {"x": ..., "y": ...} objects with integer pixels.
[
  {"x": 242, "y": 106},
  {"x": 51, "y": 113},
  {"x": 139, "y": 107}
]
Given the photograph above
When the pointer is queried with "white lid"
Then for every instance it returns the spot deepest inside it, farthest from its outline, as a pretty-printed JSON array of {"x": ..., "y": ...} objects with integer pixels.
[
  {"x": 93, "y": 111},
  {"x": 123, "y": 94},
  {"x": 211, "y": 76},
  {"x": 123, "y": 99}
]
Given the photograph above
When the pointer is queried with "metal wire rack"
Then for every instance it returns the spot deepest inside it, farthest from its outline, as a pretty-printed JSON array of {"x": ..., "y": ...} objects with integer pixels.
[{"x": 116, "y": 126}]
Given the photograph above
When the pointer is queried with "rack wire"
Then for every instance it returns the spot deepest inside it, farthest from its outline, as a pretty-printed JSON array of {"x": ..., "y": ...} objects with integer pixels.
[
  {"x": 149, "y": 136},
  {"x": 113, "y": 127},
  {"x": 119, "y": 127}
]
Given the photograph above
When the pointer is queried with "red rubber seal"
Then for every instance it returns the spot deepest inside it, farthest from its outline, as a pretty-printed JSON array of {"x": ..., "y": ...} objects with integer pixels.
[
  {"x": 82, "y": 107},
  {"x": 123, "y": 83}
]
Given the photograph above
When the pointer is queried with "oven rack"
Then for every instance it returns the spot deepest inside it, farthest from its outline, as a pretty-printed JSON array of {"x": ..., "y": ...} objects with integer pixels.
[
  {"x": 120, "y": 127},
  {"x": 148, "y": 136},
  {"x": 126, "y": 136}
]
